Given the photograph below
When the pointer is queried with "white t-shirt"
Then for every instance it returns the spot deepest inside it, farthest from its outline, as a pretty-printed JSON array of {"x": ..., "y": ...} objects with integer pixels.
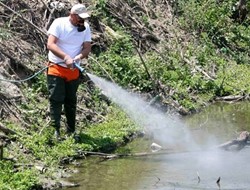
[{"x": 70, "y": 40}]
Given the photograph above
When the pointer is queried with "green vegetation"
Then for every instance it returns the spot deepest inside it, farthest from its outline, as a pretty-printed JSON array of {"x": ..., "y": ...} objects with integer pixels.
[
  {"x": 209, "y": 66},
  {"x": 123, "y": 65},
  {"x": 11, "y": 179},
  {"x": 36, "y": 144}
]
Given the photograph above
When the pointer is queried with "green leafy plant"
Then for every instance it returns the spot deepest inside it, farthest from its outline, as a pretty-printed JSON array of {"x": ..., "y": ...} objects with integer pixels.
[{"x": 11, "y": 179}]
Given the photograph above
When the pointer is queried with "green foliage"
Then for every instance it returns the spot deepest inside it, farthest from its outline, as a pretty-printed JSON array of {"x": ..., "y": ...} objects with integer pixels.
[
  {"x": 21, "y": 180},
  {"x": 112, "y": 132},
  {"x": 39, "y": 86},
  {"x": 44, "y": 146},
  {"x": 219, "y": 40},
  {"x": 105, "y": 136},
  {"x": 123, "y": 65},
  {"x": 101, "y": 10},
  {"x": 206, "y": 16},
  {"x": 35, "y": 105},
  {"x": 232, "y": 80},
  {"x": 214, "y": 19}
]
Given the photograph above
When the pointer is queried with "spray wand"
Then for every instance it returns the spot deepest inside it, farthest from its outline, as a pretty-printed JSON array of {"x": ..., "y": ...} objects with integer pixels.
[{"x": 77, "y": 65}]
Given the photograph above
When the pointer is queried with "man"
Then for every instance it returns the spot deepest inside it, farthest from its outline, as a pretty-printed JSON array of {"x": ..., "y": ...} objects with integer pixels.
[{"x": 69, "y": 41}]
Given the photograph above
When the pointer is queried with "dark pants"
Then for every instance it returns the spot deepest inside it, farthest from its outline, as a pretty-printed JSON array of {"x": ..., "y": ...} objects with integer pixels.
[{"x": 62, "y": 93}]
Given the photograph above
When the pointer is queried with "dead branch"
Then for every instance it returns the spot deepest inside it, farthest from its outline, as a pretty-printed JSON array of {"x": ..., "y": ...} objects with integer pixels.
[
  {"x": 144, "y": 64},
  {"x": 7, "y": 130},
  {"x": 45, "y": 4},
  {"x": 198, "y": 69},
  {"x": 9, "y": 109},
  {"x": 49, "y": 19},
  {"x": 106, "y": 72},
  {"x": 230, "y": 98},
  {"x": 129, "y": 17},
  {"x": 24, "y": 19}
]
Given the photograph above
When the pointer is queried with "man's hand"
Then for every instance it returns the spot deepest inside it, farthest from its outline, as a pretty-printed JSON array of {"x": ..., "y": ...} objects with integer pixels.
[
  {"x": 69, "y": 61},
  {"x": 78, "y": 57}
]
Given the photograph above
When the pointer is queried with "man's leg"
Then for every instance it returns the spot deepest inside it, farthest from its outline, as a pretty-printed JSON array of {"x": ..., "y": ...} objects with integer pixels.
[
  {"x": 56, "y": 87},
  {"x": 70, "y": 104}
]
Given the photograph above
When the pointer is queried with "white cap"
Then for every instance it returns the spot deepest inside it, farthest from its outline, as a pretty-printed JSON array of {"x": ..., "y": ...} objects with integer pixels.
[{"x": 80, "y": 10}]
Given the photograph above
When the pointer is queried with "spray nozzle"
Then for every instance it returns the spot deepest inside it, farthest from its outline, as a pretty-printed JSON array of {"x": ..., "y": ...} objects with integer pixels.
[{"x": 77, "y": 65}]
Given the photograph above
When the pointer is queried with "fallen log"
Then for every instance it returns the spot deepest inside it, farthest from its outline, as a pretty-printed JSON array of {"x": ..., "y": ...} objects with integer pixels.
[
  {"x": 140, "y": 154},
  {"x": 236, "y": 144},
  {"x": 137, "y": 154},
  {"x": 230, "y": 98},
  {"x": 233, "y": 145}
]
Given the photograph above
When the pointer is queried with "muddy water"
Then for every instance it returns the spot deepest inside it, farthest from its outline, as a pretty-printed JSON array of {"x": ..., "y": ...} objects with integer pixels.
[{"x": 197, "y": 169}]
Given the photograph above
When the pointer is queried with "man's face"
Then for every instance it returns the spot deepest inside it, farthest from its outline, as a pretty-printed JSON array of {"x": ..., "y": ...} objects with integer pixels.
[{"x": 79, "y": 22}]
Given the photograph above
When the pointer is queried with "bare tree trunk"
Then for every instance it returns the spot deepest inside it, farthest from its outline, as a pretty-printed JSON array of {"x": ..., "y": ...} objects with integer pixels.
[
  {"x": 241, "y": 11},
  {"x": 1, "y": 151},
  {"x": 242, "y": 8}
]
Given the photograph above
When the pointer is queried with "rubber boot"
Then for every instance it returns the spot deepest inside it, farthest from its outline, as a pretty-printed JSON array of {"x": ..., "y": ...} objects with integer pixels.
[{"x": 55, "y": 116}]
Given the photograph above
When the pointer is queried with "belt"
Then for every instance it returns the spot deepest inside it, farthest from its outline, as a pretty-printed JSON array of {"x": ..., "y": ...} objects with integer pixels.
[{"x": 59, "y": 64}]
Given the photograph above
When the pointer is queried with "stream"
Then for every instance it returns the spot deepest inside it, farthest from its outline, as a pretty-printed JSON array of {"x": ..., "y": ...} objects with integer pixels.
[{"x": 183, "y": 170}]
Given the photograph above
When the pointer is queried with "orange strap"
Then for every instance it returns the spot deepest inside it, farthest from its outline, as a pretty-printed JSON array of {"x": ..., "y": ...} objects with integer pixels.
[{"x": 63, "y": 72}]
